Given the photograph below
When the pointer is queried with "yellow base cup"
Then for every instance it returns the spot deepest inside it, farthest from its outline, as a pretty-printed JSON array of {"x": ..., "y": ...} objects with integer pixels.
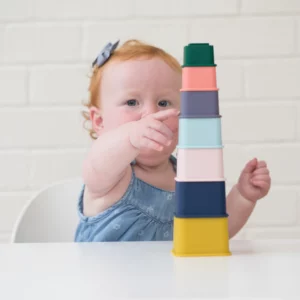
[{"x": 201, "y": 237}]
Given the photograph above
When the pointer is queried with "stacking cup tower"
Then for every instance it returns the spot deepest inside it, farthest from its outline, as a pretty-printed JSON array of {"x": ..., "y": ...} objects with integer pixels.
[{"x": 201, "y": 220}]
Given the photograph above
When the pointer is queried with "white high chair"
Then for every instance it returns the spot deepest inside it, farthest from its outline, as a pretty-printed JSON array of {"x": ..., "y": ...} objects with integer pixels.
[{"x": 51, "y": 215}]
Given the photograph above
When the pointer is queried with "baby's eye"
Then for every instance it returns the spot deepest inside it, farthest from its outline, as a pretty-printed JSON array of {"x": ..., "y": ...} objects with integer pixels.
[
  {"x": 163, "y": 103},
  {"x": 131, "y": 102}
]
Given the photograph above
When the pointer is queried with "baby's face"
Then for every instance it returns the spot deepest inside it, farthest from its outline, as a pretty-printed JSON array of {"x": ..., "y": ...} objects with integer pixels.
[{"x": 133, "y": 89}]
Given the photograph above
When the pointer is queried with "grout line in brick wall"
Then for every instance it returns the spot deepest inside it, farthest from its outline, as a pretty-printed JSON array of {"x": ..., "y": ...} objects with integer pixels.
[
  {"x": 84, "y": 62},
  {"x": 178, "y": 18},
  {"x": 297, "y": 122},
  {"x": 28, "y": 74},
  {"x": 269, "y": 14},
  {"x": 260, "y": 101},
  {"x": 243, "y": 79},
  {"x": 239, "y": 7},
  {"x": 298, "y": 206},
  {"x": 295, "y": 39},
  {"x": 82, "y": 41}
]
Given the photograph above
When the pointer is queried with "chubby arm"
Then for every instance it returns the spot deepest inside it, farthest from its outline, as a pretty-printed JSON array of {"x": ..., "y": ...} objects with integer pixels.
[
  {"x": 107, "y": 160},
  {"x": 239, "y": 210},
  {"x": 112, "y": 153},
  {"x": 254, "y": 183}
]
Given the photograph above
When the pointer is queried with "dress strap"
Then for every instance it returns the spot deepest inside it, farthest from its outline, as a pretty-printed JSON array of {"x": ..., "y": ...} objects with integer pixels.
[{"x": 173, "y": 160}]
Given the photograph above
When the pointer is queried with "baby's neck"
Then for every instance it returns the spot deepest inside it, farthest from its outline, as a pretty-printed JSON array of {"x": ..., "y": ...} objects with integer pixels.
[
  {"x": 157, "y": 168},
  {"x": 161, "y": 175}
]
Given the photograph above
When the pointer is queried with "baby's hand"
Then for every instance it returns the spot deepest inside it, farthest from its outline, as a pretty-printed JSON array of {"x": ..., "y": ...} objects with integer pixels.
[
  {"x": 150, "y": 132},
  {"x": 255, "y": 181}
]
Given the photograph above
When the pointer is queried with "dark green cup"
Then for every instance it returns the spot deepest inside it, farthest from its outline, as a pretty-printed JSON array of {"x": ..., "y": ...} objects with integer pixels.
[{"x": 198, "y": 55}]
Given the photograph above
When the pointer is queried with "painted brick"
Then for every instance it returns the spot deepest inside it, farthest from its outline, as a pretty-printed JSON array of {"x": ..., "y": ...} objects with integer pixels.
[
  {"x": 230, "y": 79},
  {"x": 273, "y": 78},
  {"x": 278, "y": 208},
  {"x": 58, "y": 85},
  {"x": 247, "y": 123},
  {"x": 13, "y": 203},
  {"x": 13, "y": 88},
  {"x": 15, "y": 10},
  {"x": 235, "y": 158},
  {"x": 14, "y": 171},
  {"x": 270, "y": 6},
  {"x": 48, "y": 127},
  {"x": 298, "y": 35},
  {"x": 282, "y": 159},
  {"x": 42, "y": 43},
  {"x": 189, "y": 8},
  {"x": 82, "y": 9},
  {"x": 2, "y": 32},
  {"x": 171, "y": 36},
  {"x": 51, "y": 166},
  {"x": 244, "y": 37},
  {"x": 298, "y": 122}
]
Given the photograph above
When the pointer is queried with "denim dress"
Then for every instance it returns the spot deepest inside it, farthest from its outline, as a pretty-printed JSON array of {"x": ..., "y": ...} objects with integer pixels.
[{"x": 144, "y": 213}]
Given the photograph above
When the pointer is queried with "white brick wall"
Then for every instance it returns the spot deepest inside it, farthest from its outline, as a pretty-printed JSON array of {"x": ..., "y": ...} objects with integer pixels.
[{"x": 46, "y": 48}]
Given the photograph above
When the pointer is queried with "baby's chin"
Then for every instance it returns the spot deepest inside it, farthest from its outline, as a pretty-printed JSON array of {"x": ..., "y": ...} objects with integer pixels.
[{"x": 149, "y": 156}]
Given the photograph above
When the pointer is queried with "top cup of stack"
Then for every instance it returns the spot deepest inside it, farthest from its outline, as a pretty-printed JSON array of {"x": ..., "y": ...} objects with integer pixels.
[{"x": 199, "y": 68}]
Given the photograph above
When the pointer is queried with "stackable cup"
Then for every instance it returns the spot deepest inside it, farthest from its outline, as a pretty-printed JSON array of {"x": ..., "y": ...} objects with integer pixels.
[{"x": 201, "y": 220}]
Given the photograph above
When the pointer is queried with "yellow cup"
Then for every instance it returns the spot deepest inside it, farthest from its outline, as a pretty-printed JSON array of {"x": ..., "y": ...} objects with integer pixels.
[{"x": 201, "y": 237}]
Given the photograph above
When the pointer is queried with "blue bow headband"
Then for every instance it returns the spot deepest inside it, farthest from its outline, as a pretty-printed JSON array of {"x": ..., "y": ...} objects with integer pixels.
[{"x": 105, "y": 54}]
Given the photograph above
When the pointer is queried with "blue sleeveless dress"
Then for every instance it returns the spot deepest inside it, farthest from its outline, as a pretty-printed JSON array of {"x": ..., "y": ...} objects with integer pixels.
[{"x": 144, "y": 213}]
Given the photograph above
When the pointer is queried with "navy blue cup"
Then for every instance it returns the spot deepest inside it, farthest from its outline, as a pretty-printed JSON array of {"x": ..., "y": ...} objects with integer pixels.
[{"x": 200, "y": 199}]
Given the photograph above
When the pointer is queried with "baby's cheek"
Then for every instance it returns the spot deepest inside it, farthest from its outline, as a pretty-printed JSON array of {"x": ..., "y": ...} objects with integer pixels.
[{"x": 127, "y": 117}]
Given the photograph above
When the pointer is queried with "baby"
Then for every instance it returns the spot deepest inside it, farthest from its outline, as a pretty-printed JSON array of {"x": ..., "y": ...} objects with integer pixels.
[{"x": 129, "y": 172}]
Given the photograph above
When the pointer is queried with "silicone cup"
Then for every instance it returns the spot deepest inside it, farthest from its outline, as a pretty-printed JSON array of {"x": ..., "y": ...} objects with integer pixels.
[
  {"x": 201, "y": 237},
  {"x": 199, "y": 78},
  {"x": 200, "y": 199},
  {"x": 201, "y": 104},
  {"x": 200, "y": 133},
  {"x": 200, "y": 165},
  {"x": 198, "y": 54}
]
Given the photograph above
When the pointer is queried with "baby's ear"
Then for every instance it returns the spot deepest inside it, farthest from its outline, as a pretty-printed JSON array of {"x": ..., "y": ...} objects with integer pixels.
[{"x": 96, "y": 118}]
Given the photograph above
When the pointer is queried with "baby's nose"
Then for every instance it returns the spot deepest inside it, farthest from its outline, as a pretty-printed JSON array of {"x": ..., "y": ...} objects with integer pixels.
[{"x": 150, "y": 110}]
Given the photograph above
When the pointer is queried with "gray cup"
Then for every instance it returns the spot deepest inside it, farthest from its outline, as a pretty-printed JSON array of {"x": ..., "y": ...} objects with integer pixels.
[{"x": 199, "y": 104}]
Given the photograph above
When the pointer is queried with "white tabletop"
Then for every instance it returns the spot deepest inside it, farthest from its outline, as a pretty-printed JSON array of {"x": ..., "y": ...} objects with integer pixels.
[{"x": 256, "y": 270}]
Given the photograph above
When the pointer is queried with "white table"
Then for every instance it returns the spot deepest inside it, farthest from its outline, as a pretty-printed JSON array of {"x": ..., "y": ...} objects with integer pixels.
[{"x": 256, "y": 270}]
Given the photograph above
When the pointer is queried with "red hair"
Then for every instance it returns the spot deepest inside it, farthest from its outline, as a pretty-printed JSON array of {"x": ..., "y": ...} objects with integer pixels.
[{"x": 131, "y": 49}]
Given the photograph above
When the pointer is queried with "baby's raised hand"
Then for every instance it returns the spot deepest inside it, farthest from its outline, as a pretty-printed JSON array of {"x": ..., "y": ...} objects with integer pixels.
[
  {"x": 255, "y": 181},
  {"x": 151, "y": 132}
]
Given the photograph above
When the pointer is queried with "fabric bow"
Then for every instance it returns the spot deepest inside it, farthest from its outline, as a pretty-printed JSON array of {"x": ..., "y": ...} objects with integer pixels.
[{"x": 105, "y": 54}]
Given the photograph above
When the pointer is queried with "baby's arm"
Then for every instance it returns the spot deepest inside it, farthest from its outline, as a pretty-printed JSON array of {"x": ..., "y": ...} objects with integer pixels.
[
  {"x": 107, "y": 160},
  {"x": 253, "y": 184},
  {"x": 112, "y": 153},
  {"x": 239, "y": 210}
]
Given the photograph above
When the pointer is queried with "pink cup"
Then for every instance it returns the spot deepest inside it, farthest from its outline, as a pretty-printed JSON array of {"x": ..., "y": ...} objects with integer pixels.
[
  {"x": 200, "y": 164},
  {"x": 199, "y": 78}
]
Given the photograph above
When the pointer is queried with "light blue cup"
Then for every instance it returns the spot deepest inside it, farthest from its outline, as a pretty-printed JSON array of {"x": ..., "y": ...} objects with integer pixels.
[{"x": 200, "y": 133}]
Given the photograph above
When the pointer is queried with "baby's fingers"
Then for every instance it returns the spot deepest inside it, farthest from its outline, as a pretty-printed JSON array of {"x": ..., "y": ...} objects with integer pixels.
[
  {"x": 157, "y": 137},
  {"x": 166, "y": 114},
  {"x": 162, "y": 128},
  {"x": 261, "y": 171},
  {"x": 263, "y": 177},
  {"x": 150, "y": 144}
]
